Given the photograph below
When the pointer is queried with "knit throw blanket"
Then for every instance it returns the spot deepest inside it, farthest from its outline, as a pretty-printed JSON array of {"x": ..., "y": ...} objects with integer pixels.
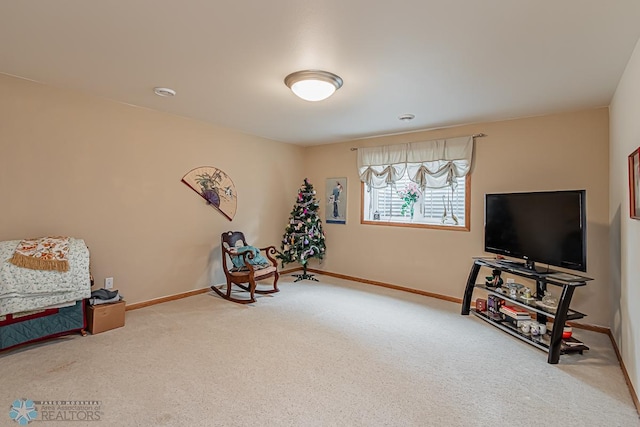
[{"x": 46, "y": 253}]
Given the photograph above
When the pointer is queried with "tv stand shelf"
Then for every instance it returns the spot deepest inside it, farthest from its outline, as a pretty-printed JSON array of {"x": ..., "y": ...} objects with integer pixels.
[
  {"x": 529, "y": 304},
  {"x": 551, "y": 342},
  {"x": 542, "y": 341}
]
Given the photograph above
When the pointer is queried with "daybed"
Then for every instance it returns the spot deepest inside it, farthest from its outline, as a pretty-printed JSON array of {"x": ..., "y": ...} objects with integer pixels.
[{"x": 41, "y": 304}]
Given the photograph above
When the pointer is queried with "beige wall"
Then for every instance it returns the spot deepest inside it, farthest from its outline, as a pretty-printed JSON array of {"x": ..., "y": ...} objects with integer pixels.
[
  {"x": 625, "y": 232},
  {"x": 555, "y": 152},
  {"x": 110, "y": 173}
]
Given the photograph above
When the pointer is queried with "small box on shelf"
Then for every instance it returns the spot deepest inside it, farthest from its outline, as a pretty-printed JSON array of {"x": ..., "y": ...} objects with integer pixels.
[{"x": 494, "y": 303}]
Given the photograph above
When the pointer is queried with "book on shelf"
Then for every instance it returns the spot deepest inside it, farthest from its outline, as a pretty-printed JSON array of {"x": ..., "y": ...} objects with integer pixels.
[
  {"x": 515, "y": 312},
  {"x": 516, "y": 323}
]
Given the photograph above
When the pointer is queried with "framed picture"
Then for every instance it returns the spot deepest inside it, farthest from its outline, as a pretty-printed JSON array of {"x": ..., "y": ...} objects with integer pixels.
[
  {"x": 336, "y": 201},
  {"x": 634, "y": 184}
]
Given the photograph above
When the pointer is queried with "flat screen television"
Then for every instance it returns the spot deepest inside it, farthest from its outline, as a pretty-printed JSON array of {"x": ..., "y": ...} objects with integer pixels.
[{"x": 547, "y": 227}]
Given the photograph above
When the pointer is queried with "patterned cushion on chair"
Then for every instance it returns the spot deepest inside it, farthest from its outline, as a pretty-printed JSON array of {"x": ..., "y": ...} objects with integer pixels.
[{"x": 257, "y": 274}]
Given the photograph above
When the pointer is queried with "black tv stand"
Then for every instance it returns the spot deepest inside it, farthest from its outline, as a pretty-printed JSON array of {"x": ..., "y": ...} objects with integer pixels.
[
  {"x": 527, "y": 265},
  {"x": 552, "y": 342}
]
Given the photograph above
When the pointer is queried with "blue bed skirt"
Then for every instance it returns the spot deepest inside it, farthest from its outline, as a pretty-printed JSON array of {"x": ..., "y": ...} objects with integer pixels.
[{"x": 60, "y": 322}]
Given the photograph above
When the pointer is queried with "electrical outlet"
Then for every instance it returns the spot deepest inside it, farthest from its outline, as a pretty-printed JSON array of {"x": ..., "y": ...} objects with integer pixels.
[{"x": 108, "y": 282}]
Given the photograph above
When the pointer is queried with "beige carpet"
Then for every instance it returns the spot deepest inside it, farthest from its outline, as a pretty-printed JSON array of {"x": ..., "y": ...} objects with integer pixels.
[{"x": 333, "y": 353}]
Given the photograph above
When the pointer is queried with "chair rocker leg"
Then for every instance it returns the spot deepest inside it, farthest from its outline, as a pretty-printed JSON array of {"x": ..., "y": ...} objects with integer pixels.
[
  {"x": 275, "y": 285},
  {"x": 251, "y": 288},
  {"x": 227, "y": 295},
  {"x": 262, "y": 291},
  {"x": 229, "y": 285}
]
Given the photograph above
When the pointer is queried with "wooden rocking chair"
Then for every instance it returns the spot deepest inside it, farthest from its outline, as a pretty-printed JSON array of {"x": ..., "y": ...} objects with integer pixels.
[{"x": 241, "y": 267}]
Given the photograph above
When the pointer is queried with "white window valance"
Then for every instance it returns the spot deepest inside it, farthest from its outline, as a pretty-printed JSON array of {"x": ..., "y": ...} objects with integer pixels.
[{"x": 430, "y": 164}]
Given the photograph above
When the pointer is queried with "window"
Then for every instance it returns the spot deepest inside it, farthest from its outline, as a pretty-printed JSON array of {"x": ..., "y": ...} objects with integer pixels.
[
  {"x": 434, "y": 208},
  {"x": 417, "y": 184}
]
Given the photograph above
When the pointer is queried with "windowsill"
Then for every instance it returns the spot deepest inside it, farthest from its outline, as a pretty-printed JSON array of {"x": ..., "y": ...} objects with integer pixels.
[{"x": 398, "y": 222}]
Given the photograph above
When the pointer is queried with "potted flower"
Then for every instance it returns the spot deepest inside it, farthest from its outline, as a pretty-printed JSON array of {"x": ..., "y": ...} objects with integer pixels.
[{"x": 409, "y": 196}]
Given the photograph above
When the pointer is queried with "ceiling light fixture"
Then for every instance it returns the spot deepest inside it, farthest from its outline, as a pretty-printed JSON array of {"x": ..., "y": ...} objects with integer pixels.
[
  {"x": 313, "y": 85},
  {"x": 164, "y": 91}
]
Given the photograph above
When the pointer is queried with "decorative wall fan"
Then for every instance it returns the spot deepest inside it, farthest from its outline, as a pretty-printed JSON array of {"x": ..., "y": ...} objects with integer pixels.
[{"x": 215, "y": 186}]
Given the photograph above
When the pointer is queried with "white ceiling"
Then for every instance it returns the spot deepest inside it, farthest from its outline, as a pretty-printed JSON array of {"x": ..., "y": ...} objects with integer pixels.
[{"x": 448, "y": 62}]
